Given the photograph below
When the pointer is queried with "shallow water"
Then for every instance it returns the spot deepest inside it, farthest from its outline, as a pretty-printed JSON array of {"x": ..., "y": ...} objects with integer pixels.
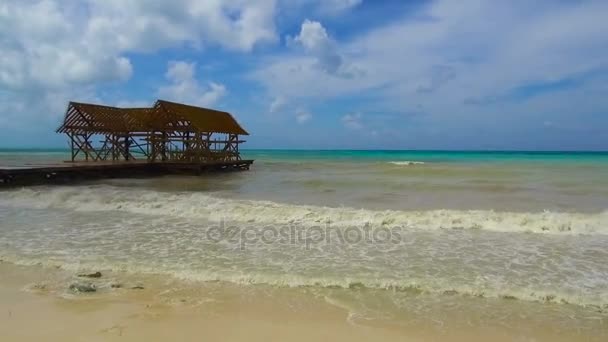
[{"x": 389, "y": 236}]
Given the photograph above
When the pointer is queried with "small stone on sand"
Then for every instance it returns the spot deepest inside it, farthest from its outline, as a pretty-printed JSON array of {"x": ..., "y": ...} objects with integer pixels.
[
  {"x": 83, "y": 287},
  {"x": 91, "y": 275}
]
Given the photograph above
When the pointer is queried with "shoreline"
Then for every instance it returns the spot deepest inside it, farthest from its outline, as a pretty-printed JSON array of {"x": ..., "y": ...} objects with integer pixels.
[
  {"x": 145, "y": 314},
  {"x": 166, "y": 308}
]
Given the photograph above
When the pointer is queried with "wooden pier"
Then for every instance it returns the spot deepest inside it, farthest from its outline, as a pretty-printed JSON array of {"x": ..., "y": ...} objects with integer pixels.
[
  {"x": 110, "y": 142},
  {"x": 69, "y": 173},
  {"x": 165, "y": 132}
]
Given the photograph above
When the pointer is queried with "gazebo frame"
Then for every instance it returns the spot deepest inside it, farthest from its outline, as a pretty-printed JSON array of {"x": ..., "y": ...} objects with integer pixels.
[{"x": 166, "y": 132}]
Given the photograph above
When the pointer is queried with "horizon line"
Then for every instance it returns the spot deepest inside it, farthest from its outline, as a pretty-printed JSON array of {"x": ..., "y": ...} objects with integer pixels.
[{"x": 57, "y": 149}]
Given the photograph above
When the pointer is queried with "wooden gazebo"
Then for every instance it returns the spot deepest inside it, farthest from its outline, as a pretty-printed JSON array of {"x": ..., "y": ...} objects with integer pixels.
[{"x": 168, "y": 131}]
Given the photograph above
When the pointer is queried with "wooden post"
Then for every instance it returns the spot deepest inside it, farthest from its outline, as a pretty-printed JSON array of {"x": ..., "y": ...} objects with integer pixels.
[
  {"x": 164, "y": 146},
  {"x": 72, "y": 146},
  {"x": 236, "y": 148},
  {"x": 127, "y": 143}
]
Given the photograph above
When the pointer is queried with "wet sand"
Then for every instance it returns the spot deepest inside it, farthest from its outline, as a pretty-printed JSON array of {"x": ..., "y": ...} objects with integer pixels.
[
  {"x": 36, "y": 305},
  {"x": 33, "y": 313}
]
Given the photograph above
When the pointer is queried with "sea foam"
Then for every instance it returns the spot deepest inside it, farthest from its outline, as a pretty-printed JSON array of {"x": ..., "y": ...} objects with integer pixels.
[
  {"x": 406, "y": 163},
  {"x": 215, "y": 208},
  {"x": 424, "y": 285}
]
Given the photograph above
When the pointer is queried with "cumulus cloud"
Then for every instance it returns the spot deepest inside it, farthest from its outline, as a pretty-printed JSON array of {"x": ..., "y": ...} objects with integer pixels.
[
  {"x": 303, "y": 116},
  {"x": 446, "y": 53},
  {"x": 51, "y": 43},
  {"x": 313, "y": 36},
  {"x": 314, "y": 39},
  {"x": 184, "y": 87},
  {"x": 54, "y": 50},
  {"x": 43, "y": 48},
  {"x": 145, "y": 25}
]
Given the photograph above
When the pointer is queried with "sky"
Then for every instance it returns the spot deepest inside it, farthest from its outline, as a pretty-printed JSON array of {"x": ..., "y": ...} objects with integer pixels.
[{"x": 319, "y": 74}]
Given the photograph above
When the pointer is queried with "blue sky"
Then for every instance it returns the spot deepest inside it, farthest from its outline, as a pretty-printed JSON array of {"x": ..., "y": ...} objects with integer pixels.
[{"x": 442, "y": 74}]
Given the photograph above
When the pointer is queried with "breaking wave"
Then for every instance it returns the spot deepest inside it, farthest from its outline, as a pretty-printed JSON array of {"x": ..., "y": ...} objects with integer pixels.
[{"x": 213, "y": 208}]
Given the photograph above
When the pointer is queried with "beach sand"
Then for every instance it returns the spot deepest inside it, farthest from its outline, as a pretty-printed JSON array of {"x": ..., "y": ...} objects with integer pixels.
[{"x": 35, "y": 308}]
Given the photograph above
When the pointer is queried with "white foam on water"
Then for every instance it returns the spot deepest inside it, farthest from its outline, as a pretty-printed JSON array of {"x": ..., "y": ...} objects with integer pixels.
[
  {"x": 406, "y": 163},
  {"x": 215, "y": 209},
  {"x": 95, "y": 230},
  {"x": 437, "y": 286},
  {"x": 165, "y": 237}
]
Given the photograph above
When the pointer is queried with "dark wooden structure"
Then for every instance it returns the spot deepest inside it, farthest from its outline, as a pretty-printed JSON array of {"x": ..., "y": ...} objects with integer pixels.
[
  {"x": 69, "y": 173},
  {"x": 167, "y": 138},
  {"x": 118, "y": 129},
  {"x": 167, "y": 132}
]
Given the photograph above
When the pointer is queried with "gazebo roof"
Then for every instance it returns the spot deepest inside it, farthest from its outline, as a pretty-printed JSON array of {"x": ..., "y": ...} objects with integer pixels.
[
  {"x": 203, "y": 119},
  {"x": 97, "y": 119},
  {"x": 83, "y": 118}
]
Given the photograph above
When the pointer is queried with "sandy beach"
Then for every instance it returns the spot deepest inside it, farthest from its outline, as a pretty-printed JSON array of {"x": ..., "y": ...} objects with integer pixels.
[{"x": 37, "y": 305}]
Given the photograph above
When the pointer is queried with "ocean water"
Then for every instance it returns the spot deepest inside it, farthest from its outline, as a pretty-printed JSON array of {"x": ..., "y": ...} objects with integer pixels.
[{"x": 399, "y": 235}]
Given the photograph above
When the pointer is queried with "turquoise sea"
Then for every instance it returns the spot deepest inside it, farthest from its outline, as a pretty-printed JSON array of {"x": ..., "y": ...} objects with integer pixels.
[
  {"x": 435, "y": 155},
  {"x": 396, "y": 236},
  {"x": 429, "y": 156}
]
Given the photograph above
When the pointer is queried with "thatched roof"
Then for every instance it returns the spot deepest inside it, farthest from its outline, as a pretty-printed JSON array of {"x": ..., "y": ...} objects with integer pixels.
[{"x": 83, "y": 118}]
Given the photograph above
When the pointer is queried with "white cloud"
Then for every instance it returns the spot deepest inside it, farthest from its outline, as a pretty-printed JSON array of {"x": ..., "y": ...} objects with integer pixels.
[
  {"x": 453, "y": 63},
  {"x": 321, "y": 7},
  {"x": 146, "y": 25},
  {"x": 215, "y": 92},
  {"x": 446, "y": 53},
  {"x": 43, "y": 48},
  {"x": 315, "y": 40},
  {"x": 54, "y": 43},
  {"x": 277, "y": 104},
  {"x": 313, "y": 36},
  {"x": 352, "y": 121},
  {"x": 53, "y": 51},
  {"x": 37, "y": 114},
  {"x": 184, "y": 87},
  {"x": 51, "y": 43},
  {"x": 339, "y": 5},
  {"x": 133, "y": 104},
  {"x": 303, "y": 116}
]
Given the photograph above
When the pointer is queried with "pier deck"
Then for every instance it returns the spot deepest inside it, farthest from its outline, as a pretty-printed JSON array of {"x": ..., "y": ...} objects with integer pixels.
[{"x": 71, "y": 172}]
